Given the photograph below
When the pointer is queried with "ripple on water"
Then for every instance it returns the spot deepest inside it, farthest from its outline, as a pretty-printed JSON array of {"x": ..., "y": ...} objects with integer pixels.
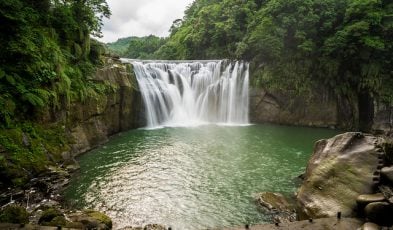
[{"x": 193, "y": 178}]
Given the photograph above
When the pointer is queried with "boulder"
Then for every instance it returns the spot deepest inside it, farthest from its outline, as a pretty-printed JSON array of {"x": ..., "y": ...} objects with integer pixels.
[
  {"x": 370, "y": 226},
  {"x": 278, "y": 206},
  {"x": 365, "y": 199},
  {"x": 379, "y": 213},
  {"x": 91, "y": 219},
  {"x": 273, "y": 201},
  {"x": 387, "y": 173},
  {"x": 340, "y": 169}
]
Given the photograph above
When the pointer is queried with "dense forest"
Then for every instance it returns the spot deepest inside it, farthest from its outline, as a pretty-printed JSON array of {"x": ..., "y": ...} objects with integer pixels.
[
  {"x": 137, "y": 47},
  {"x": 47, "y": 53},
  {"x": 46, "y": 58},
  {"x": 296, "y": 46}
]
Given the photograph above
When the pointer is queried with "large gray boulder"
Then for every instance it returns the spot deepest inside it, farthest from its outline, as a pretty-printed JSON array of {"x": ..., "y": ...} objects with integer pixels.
[{"x": 340, "y": 169}]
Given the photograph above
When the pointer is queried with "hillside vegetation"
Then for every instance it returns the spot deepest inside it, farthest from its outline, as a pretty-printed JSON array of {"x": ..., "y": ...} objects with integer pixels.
[
  {"x": 137, "y": 47},
  {"x": 46, "y": 59},
  {"x": 345, "y": 46}
]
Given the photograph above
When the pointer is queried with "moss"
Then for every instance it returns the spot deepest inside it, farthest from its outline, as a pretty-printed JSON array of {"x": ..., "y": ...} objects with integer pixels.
[
  {"x": 99, "y": 217},
  {"x": 14, "y": 214},
  {"x": 57, "y": 221},
  {"x": 49, "y": 215},
  {"x": 29, "y": 147}
]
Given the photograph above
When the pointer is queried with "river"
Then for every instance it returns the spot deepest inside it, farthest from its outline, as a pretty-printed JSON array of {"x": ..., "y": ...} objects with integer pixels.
[{"x": 192, "y": 178}]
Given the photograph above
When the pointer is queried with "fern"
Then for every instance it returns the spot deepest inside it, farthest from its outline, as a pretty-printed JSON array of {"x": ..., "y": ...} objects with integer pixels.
[{"x": 33, "y": 99}]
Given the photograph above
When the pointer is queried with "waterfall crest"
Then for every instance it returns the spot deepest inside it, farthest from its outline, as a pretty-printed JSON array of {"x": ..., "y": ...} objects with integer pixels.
[{"x": 193, "y": 93}]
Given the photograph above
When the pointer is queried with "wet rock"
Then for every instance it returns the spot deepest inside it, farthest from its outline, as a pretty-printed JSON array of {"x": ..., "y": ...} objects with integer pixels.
[
  {"x": 365, "y": 199},
  {"x": 154, "y": 227},
  {"x": 387, "y": 173},
  {"x": 340, "y": 169},
  {"x": 274, "y": 201},
  {"x": 379, "y": 213},
  {"x": 91, "y": 219},
  {"x": 48, "y": 215},
  {"x": 73, "y": 167},
  {"x": 370, "y": 226},
  {"x": 147, "y": 227},
  {"x": 278, "y": 206}
]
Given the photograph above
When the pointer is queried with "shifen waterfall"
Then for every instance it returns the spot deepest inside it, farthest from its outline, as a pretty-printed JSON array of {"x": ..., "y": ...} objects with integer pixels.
[{"x": 192, "y": 93}]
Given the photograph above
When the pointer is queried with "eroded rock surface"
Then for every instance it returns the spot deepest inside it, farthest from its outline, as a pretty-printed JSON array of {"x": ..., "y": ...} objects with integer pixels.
[{"x": 340, "y": 169}]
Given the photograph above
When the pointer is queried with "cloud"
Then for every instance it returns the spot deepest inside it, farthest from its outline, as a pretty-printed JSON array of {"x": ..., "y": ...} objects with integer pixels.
[{"x": 142, "y": 17}]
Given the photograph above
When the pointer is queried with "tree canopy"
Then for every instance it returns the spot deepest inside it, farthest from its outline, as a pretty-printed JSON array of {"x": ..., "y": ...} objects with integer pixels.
[
  {"x": 46, "y": 52},
  {"x": 293, "y": 45}
]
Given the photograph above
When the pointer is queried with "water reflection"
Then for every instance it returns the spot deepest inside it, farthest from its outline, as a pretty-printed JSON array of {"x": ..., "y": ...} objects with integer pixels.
[{"x": 192, "y": 178}]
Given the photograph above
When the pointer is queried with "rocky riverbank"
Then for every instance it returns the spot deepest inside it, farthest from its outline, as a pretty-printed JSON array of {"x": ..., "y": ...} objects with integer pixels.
[
  {"x": 349, "y": 175},
  {"x": 82, "y": 126}
]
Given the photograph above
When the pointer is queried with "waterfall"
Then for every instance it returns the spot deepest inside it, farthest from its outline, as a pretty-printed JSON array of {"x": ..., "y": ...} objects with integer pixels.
[{"x": 193, "y": 93}]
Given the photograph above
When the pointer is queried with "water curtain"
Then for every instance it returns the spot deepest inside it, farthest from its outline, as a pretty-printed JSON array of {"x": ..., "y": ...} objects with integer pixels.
[{"x": 194, "y": 92}]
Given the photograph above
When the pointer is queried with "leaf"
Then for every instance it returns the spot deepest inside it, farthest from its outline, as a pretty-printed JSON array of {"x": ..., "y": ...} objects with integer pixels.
[{"x": 10, "y": 79}]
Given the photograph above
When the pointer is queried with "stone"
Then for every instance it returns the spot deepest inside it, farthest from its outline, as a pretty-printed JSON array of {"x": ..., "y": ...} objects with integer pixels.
[
  {"x": 273, "y": 201},
  {"x": 387, "y": 173},
  {"x": 379, "y": 213},
  {"x": 370, "y": 226},
  {"x": 281, "y": 107},
  {"x": 365, "y": 199},
  {"x": 340, "y": 169},
  {"x": 278, "y": 206},
  {"x": 25, "y": 140},
  {"x": 91, "y": 219}
]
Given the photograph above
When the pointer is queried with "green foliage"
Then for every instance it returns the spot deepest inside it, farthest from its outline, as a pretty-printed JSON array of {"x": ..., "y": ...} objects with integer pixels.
[
  {"x": 29, "y": 147},
  {"x": 137, "y": 47},
  {"x": 40, "y": 43},
  {"x": 120, "y": 46},
  {"x": 14, "y": 214},
  {"x": 50, "y": 214},
  {"x": 294, "y": 45},
  {"x": 143, "y": 48},
  {"x": 209, "y": 30}
]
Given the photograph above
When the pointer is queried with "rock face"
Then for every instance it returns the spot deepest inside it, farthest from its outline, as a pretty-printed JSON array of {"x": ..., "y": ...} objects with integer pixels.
[
  {"x": 383, "y": 119},
  {"x": 320, "y": 110},
  {"x": 274, "y": 201},
  {"x": 340, "y": 169},
  {"x": 93, "y": 121},
  {"x": 277, "y": 206}
]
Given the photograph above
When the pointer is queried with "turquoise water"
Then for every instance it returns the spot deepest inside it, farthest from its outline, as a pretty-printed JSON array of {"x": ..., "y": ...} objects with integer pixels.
[{"x": 192, "y": 178}]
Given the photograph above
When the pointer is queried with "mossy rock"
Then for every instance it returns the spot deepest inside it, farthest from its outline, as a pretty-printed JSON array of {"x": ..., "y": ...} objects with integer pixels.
[
  {"x": 49, "y": 215},
  {"x": 14, "y": 214},
  {"x": 57, "y": 221},
  {"x": 100, "y": 217}
]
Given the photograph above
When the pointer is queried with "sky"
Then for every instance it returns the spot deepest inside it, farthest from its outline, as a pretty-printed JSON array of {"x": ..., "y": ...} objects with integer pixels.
[{"x": 141, "y": 18}]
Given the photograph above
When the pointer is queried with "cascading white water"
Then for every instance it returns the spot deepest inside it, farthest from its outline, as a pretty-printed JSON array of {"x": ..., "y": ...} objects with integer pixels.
[{"x": 193, "y": 93}]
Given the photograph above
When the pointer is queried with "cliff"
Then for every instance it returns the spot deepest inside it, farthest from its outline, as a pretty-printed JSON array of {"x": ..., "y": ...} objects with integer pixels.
[{"x": 52, "y": 138}]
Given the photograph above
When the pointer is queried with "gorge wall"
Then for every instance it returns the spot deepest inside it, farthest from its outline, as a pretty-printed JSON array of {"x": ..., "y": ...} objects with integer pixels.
[
  {"x": 320, "y": 109},
  {"x": 92, "y": 122}
]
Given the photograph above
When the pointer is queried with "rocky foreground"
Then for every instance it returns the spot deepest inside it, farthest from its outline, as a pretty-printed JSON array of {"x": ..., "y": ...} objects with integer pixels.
[
  {"x": 349, "y": 175},
  {"x": 348, "y": 184}
]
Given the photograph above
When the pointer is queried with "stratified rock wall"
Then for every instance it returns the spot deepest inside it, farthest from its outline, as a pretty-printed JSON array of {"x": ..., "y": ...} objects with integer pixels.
[
  {"x": 319, "y": 110},
  {"x": 93, "y": 121}
]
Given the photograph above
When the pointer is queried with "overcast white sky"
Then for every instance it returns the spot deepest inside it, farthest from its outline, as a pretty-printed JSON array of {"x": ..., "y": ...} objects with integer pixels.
[{"x": 141, "y": 17}]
